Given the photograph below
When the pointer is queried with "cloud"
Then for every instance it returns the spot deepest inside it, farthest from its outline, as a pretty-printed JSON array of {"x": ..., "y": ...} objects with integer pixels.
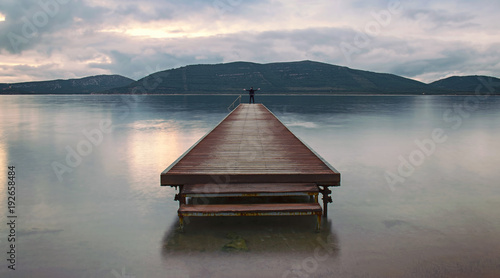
[
  {"x": 426, "y": 39},
  {"x": 431, "y": 20},
  {"x": 29, "y": 23},
  {"x": 28, "y": 72},
  {"x": 450, "y": 60}
]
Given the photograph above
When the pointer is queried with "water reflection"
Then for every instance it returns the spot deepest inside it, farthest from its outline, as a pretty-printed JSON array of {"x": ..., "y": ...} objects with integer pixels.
[
  {"x": 110, "y": 212},
  {"x": 277, "y": 247},
  {"x": 4, "y": 160},
  {"x": 263, "y": 234}
]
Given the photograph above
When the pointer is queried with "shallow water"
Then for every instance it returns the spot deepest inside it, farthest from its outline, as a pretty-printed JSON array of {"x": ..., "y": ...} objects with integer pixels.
[{"x": 105, "y": 215}]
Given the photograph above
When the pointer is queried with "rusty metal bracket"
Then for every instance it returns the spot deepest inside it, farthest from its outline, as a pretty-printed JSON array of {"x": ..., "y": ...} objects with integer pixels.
[
  {"x": 325, "y": 192},
  {"x": 328, "y": 199}
]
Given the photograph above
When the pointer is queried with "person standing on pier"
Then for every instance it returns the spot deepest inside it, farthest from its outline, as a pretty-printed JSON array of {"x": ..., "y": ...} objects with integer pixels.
[{"x": 252, "y": 94}]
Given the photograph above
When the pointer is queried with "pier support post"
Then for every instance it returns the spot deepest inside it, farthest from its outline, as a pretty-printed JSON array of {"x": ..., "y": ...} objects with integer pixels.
[
  {"x": 325, "y": 192},
  {"x": 181, "y": 223},
  {"x": 179, "y": 197}
]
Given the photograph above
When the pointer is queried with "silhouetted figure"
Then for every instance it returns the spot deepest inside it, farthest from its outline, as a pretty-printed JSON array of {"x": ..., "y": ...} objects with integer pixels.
[{"x": 252, "y": 94}]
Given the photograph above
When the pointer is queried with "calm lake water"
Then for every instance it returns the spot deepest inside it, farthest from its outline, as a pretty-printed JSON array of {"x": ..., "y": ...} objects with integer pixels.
[{"x": 420, "y": 194}]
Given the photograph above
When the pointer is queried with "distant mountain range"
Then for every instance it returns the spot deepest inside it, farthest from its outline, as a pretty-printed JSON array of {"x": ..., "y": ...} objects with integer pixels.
[
  {"x": 467, "y": 84},
  {"x": 305, "y": 77},
  {"x": 86, "y": 85}
]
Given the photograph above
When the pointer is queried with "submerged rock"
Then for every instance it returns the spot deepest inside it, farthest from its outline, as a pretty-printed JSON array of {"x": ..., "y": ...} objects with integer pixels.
[{"x": 238, "y": 244}]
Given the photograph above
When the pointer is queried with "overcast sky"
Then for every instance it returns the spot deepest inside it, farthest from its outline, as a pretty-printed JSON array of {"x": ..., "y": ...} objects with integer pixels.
[{"x": 423, "y": 40}]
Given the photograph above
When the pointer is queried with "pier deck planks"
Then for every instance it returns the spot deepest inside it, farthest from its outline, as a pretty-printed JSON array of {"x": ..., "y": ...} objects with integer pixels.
[{"x": 250, "y": 146}]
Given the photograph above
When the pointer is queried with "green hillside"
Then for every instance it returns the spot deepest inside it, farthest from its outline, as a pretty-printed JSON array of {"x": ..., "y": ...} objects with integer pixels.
[
  {"x": 467, "y": 84},
  {"x": 304, "y": 77},
  {"x": 86, "y": 85}
]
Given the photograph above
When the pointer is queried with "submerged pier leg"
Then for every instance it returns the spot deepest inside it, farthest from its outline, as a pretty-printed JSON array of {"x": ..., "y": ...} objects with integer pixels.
[
  {"x": 181, "y": 223},
  {"x": 325, "y": 191}
]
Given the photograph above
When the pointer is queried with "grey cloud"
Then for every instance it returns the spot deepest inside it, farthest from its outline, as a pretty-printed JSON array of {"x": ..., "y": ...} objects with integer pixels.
[
  {"x": 272, "y": 46},
  {"x": 137, "y": 67},
  {"x": 440, "y": 19},
  {"x": 44, "y": 72},
  {"x": 452, "y": 60},
  {"x": 173, "y": 9},
  {"x": 134, "y": 11},
  {"x": 28, "y": 22},
  {"x": 372, "y": 5},
  {"x": 459, "y": 59},
  {"x": 402, "y": 56},
  {"x": 73, "y": 35}
]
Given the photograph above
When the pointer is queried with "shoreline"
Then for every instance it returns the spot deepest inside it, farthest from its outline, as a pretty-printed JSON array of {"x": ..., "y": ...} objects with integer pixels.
[{"x": 200, "y": 94}]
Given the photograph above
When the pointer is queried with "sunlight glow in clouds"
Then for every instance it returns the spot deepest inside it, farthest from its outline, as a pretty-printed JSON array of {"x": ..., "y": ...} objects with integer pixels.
[
  {"x": 157, "y": 33},
  {"x": 425, "y": 40}
]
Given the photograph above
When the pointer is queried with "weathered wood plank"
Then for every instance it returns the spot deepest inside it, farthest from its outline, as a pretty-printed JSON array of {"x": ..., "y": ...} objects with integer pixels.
[
  {"x": 250, "y": 146},
  {"x": 249, "y": 209},
  {"x": 245, "y": 188}
]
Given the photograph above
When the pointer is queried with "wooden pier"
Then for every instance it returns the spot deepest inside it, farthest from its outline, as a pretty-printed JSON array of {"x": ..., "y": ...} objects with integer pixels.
[{"x": 250, "y": 153}]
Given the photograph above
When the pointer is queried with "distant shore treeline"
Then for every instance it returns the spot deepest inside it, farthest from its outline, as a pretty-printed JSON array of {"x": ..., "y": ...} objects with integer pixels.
[{"x": 305, "y": 77}]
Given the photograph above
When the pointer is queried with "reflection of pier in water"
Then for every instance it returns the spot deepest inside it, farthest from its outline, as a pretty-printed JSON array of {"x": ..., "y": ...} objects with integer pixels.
[
  {"x": 250, "y": 154},
  {"x": 275, "y": 245},
  {"x": 263, "y": 234}
]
